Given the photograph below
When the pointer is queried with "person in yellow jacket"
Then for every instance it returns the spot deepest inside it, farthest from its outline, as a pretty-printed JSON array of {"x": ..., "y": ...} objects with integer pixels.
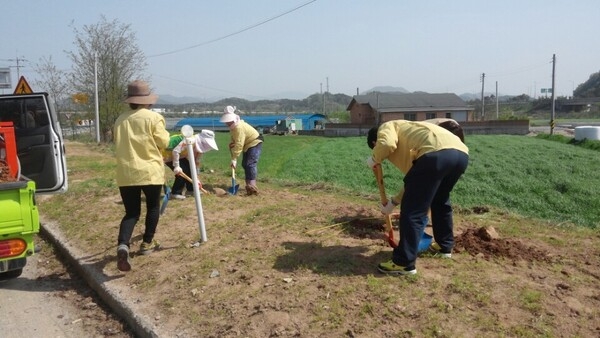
[
  {"x": 139, "y": 134},
  {"x": 432, "y": 160},
  {"x": 247, "y": 140}
]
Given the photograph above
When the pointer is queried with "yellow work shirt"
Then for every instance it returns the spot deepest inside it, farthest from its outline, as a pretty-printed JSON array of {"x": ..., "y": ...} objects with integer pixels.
[
  {"x": 243, "y": 137},
  {"x": 139, "y": 136},
  {"x": 402, "y": 142}
]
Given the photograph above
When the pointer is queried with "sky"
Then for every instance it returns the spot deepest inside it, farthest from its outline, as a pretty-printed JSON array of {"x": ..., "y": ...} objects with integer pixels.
[{"x": 262, "y": 49}]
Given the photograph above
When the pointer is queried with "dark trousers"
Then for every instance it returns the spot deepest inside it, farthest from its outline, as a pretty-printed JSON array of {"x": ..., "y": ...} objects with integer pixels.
[
  {"x": 250, "y": 162},
  {"x": 428, "y": 185},
  {"x": 132, "y": 201},
  {"x": 180, "y": 182}
]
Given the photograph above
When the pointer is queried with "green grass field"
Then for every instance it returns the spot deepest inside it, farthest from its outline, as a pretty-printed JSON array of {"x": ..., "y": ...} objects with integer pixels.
[{"x": 541, "y": 177}]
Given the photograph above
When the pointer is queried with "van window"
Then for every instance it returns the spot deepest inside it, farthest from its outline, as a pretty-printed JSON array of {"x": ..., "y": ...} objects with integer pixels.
[{"x": 40, "y": 149}]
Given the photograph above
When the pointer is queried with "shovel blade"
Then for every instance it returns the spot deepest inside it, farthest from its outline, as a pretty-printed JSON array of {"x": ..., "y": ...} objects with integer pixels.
[
  {"x": 233, "y": 190},
  {"x": 165, "y": 200}
]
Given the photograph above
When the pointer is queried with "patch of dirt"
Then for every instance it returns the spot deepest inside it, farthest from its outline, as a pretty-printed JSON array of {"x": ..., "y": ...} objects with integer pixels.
[{"x": 302, "y": 262}]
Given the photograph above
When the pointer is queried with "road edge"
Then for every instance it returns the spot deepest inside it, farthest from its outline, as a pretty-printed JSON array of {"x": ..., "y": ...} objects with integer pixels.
[{"x": 139, "y": 325}]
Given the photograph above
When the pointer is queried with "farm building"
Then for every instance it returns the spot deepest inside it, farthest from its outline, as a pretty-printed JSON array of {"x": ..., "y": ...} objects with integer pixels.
[
  {"x": 376, "y": 108},
  {"x": 260, "y": 122}
]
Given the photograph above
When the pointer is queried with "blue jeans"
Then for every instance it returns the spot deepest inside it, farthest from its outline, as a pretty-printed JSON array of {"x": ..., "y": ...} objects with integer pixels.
[
  {"x": 250, "y": 162},
  {"x": 428, "y": 184}
]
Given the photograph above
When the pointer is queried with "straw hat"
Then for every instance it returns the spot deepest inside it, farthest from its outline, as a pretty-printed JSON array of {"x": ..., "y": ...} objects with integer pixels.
[{"x": 138, "y": 92}]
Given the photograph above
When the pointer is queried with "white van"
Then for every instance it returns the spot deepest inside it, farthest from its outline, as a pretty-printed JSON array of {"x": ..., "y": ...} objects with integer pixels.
[{"x": 32, "y": 161}]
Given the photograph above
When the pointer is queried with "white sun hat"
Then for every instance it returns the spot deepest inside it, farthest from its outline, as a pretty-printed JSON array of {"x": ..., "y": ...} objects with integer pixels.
[
  {"x": 229, "y": 115},
  {"x": 205, "y": 141}
]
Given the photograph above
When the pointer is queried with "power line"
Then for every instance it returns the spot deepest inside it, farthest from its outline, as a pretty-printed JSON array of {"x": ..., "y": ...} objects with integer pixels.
[
  {"x": 234, "y": 33},
  {"x": 207, "y": 87},
  {"x": 519, "y": 70}
]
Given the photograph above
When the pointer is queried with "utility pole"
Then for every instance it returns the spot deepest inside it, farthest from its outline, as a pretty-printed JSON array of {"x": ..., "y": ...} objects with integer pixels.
[
  {"x": 378, "y": 112},
  {"x": 482, "y": 98},
  {"x": 553, "y": 93},
  {"x": 496, "y": 100},
  {"x": 96, "y": 97},
  {"x": 322, "y": 100},
  {"x": 18, "y": 60}
]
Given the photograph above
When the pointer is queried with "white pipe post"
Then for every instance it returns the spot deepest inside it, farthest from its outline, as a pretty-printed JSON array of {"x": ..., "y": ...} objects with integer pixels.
[
  {"x": 96, "y": 97},
  {"x": 188, "y": 132}
]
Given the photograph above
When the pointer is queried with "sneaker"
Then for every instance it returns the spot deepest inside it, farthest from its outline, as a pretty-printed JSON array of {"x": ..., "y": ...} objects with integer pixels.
[
  {"x": 147, "y": 248},
  {"x": 177, "y": 197},
  {"x": 123, "y": 258},
  {"x": 436, "y": 251},
  {"x": 391, "y": 268}
]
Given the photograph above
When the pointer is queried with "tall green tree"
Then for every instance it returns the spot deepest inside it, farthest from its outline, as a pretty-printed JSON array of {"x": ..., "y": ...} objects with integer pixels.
[
  {"x": 590, "y": 88},
  {"x": 111, "y": 48}
]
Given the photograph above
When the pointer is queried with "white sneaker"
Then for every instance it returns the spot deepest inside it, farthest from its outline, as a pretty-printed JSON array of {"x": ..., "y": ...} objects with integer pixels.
[{"x": 177, "y": 197}]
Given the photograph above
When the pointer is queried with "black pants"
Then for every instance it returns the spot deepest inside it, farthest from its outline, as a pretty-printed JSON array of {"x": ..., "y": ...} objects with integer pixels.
[
  {"x": 180, "y": 182},
  {"x": 132, "y": 201}
]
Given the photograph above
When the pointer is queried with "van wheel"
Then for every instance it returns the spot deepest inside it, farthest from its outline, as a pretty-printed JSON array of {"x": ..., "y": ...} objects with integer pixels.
[{"x": 11, "y": 274}]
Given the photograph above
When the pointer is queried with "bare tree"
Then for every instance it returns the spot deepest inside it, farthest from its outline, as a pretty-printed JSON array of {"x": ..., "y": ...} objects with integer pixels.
[
  {"x": 119, "y": 60},
  {"x": 54, "y": 81}
]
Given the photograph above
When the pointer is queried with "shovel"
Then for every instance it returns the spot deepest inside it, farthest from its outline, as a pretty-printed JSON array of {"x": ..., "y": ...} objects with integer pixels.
[
  {"x": 389, "y": 231},
  {"x": 189, "y": 179},
  {"x": 166, "y": 198},
  {"x": 234, "y": 187}
]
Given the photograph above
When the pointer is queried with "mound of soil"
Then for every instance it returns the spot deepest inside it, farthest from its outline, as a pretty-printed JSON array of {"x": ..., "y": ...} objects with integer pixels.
[
  {"x": 5, "y": 173},
  {"x": 484, "y": 242},
  {"x": 480, "y": 242}
]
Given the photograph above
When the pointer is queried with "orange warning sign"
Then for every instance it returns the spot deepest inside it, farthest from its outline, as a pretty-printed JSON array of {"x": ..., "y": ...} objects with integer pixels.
[{"x": 23, "y": 87}]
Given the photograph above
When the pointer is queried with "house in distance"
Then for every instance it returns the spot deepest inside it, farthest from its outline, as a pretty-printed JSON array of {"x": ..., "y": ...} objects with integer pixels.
[{"x": 376, "y": 108}]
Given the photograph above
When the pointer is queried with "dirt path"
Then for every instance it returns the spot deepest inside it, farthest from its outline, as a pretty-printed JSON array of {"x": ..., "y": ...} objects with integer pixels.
[{"x": 49, "y": 301}]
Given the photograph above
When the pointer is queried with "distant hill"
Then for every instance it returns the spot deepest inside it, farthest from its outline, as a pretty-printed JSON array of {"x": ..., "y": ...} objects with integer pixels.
[
  {"x": 283, "y": 96},
  {"x": 385, "y": 89},
  {"x": 170, "y": 99},
  {"x": 477, "y": 96},
  {"x": 470, "y": 96},
  {"x": 175, "y": 100},
  {"x": 316, "y": 103}
]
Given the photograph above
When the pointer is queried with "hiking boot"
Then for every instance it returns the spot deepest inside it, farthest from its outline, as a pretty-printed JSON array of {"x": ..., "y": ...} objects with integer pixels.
[
  {"x": 391, "y": 268},
  {"x": 251, "y": 190},
  {"x": 147, "y": 248},
  {"x": 177, "y": 197},
  {"x": 123, "y": 258},
  {"x": 435, "y": 250}
]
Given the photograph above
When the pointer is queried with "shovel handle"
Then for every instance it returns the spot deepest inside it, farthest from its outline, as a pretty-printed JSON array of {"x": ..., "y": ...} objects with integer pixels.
[
  {"x": 378, "y": 171},
  {"x": 389, "y": 231},
  {"x": 189, "y": 179}
]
